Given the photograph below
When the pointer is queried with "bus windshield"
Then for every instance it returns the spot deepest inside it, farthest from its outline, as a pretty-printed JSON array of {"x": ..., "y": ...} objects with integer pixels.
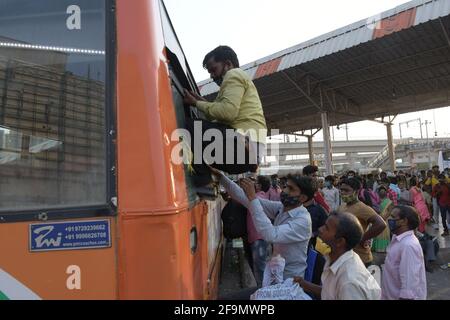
[{"x": 52, "y": 104}]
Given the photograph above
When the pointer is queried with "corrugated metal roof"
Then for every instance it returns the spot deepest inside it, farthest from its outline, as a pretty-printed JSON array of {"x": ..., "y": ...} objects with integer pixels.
[{"x": 343, "y": 38}]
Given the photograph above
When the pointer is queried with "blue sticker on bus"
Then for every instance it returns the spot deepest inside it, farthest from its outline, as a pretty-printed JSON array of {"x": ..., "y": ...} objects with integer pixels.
[{"x": 70, "y": 235}]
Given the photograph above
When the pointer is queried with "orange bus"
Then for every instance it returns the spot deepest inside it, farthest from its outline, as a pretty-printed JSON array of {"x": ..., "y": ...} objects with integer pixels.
[{"x": 91, "y": 204}]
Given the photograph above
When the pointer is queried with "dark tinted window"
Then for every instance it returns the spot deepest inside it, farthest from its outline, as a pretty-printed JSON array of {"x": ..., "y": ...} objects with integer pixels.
[{"x": 52, "y": 104}]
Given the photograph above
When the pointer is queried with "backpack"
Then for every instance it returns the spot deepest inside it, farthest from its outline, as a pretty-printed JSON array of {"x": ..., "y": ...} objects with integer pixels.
[
  {"x": 234, "y": 220},
  {"x": 315, "y": 263}
]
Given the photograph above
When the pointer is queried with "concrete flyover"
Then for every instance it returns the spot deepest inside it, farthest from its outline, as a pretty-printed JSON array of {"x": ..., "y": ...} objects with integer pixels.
[
  {"x": 370, "y": 153},
  {"x": 414, "y": 153},
  {"x": 354, "y": 146},
  {"x": 337, "y": 160}
]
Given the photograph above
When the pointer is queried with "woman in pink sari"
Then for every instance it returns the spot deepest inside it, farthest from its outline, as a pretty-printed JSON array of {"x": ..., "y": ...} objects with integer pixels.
[{"x": 419, "y": 203}]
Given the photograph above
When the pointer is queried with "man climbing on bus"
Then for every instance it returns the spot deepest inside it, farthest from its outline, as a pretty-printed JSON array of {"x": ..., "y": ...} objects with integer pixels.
[{"x": 237, "y": 109}]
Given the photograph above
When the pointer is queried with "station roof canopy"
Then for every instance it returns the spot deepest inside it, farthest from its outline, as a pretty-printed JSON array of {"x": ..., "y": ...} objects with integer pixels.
[{"x": 395, "y": 62}]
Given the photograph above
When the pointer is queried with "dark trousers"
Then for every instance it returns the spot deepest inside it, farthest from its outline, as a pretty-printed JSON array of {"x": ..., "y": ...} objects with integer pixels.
[
  {"x": 444, "y": 211},
  {"x": 430, "y": 248},
  {"x": 240, "y": 159}
]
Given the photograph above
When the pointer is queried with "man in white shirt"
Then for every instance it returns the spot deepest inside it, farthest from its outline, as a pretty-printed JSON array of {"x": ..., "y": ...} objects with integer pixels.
[
  {"x": 331, "y": 194},
  {"x": 404, "y": 275},
  {"x": 344, "y": 276}
]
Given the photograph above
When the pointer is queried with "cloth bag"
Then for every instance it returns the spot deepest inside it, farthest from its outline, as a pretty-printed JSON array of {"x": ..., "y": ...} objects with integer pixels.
[
  {"x": 287, "y": 290},
  {"x": 273, "y": 273}
]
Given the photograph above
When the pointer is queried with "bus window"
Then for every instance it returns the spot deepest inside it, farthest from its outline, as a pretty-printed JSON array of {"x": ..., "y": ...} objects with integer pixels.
[
  {"x": 53, "y": 141},
  {"x": 181, "y": 114}
]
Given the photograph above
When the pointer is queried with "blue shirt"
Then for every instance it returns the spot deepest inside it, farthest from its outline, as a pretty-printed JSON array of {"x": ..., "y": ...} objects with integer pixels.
[{"x": 289, "y": 234}]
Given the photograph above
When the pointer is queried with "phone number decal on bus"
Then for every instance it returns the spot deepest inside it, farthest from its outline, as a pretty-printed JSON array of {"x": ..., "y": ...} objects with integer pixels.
[{"x": 70, "y": 235}]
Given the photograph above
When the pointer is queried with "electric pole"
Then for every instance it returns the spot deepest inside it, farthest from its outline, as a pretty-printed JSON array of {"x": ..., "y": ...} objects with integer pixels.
[
  {"x": 407, "y": 125},
  {"x": 428, "y": 144}
]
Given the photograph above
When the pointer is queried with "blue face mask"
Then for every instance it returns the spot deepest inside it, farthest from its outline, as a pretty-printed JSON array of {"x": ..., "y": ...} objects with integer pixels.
[
  {"x": 392, "y": 225},
  {"x": 328, "y": 184},
  {"x": 289, "y": 201}
]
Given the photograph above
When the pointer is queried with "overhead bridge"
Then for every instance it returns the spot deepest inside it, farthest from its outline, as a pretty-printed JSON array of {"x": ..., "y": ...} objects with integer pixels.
[
  {"x": 354, "y": 146},
  {"x": 372, "y": 153}
]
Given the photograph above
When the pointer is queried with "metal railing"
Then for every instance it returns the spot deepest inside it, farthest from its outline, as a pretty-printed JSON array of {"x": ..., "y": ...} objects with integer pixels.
[{"x": 379, "y": 159}]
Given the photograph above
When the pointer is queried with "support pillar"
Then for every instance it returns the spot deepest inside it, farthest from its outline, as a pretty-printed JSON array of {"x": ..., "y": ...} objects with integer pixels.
[
  {"x": 351, "y": 157},
  {"x": 327, "y": 144},
  {"x": 391, "y": 147},
  {"x": 310, "y": 150}
]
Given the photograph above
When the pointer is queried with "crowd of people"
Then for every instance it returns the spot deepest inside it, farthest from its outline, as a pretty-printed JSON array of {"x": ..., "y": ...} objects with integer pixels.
[{"x": 346, "y": 218}]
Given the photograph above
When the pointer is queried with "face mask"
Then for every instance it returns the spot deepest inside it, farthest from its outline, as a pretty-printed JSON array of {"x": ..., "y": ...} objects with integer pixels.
[
  {"x": 392, "y": 225},
  {"x": 274, "y": 184},
  {"x": 219, "y": 81},
  {"x": 349, "y": 199},
  {"x": 289, "y": 201},
  {"x": 328, "y": 184}
]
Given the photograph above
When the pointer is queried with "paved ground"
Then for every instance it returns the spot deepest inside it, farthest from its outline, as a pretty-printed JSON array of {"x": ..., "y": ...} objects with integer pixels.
[
  {"x": 236, "y": 274},
  {"x": 439, "y": 280},
  {"x": 230, "y": 281}
]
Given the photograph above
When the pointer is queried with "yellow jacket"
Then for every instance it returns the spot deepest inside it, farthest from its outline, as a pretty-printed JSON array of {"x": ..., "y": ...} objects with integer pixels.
[
  {"x": 431, "y": 181},
  {"x": 238, "y": 105}
]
